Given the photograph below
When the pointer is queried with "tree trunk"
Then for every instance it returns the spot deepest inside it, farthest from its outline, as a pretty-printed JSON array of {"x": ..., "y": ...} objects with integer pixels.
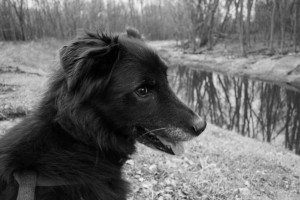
[
  {"x": 214, "y": 6},
  {"x": 20, "y": 15},
  {"x": 241, "y": 28},
  {"x": 295, "y": 31},
  {"x": 249, "y": 8},
  {"x": 236, "y": 21},
  {"x": 282, "y": 24},
  {"x": 226, "y": 17},
  {"x": 272, "y": 26}
]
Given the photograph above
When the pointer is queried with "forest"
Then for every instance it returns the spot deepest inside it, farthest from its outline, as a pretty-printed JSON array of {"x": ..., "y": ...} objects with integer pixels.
[{"x": 270, "y": 26}]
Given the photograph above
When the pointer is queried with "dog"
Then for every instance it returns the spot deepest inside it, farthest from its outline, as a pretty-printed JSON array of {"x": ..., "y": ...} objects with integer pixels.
[{"x": 109, "y": 92}]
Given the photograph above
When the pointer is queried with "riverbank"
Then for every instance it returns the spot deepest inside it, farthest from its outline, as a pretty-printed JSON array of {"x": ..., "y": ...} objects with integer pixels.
[{"x": 281, "y": 70}]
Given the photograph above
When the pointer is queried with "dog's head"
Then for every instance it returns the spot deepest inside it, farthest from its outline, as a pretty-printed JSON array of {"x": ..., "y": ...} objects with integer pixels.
[{"x": 126, "y": 83}]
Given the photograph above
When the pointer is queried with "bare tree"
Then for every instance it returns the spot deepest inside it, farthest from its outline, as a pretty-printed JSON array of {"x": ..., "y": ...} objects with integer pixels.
[
  {"x": 221, "y": 28},
  {"x": 236, "y": 19},
  {"x": 18, "y": 6},
  {"x": 249, "y": 9},
  {"x": 8, "y": 31},
  {"x": 226, "y": 16},
  {"x": 213, "y": 8},
  {"x": 195, "y": 22},
  {"x": 272, "y": 26},
  {"x": 295, "y": 27},
  {"x": 241, "y": 28},
  {"x": 282, "y": 9}
]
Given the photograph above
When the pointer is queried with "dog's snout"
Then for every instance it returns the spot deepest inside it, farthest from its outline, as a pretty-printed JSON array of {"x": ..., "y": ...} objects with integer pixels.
[{"x": 199, "y": 125}]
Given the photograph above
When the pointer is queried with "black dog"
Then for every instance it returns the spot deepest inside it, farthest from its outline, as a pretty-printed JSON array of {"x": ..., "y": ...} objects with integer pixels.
[{"x": 109, "y": 92}]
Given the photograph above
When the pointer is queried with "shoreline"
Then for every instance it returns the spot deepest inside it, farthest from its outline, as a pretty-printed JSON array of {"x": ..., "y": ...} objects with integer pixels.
[{"x": 278, "y": 69}]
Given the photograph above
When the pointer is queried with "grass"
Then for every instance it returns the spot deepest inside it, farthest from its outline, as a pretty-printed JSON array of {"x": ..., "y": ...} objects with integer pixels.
[
  {"x": 217, "y": 165},
  {"x": 38, "y": 55}
]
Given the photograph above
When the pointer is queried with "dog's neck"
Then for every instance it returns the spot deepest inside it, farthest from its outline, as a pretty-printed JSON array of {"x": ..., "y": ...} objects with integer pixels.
[{"x": 67, "y": 159}]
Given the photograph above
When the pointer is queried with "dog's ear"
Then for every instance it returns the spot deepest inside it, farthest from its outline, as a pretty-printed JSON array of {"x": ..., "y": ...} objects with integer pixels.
[
  {"x": 92, "y": 56},
  {"x": 133, "y": 33}
]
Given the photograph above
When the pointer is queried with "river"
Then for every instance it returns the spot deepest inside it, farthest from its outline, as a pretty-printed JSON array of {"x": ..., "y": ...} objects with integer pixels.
[{"x": 255, "y": 109}]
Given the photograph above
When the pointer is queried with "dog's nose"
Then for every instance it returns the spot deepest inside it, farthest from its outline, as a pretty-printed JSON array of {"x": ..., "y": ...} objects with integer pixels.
[{"x": 199, "y": 125}]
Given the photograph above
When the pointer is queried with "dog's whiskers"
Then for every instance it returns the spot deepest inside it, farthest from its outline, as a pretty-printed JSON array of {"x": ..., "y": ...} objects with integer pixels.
[{"x": 150, "y": 131}]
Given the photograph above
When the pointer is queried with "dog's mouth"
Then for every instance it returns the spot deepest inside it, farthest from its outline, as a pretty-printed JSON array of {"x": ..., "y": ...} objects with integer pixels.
[{"x": 151, "y": 140}]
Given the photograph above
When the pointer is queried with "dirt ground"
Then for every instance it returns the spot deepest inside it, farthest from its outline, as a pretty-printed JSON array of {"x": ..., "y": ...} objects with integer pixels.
[{"x": 217, "y": 165}]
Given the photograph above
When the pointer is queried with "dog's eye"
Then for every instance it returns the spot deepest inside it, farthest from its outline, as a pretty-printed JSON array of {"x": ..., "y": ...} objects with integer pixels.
[{"x": 142, "y": 91}]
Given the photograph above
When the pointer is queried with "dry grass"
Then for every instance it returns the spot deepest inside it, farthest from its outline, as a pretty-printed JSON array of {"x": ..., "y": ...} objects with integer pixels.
[
  {"x": 24, "y": 68},
  {"x": 217, "y": 165},
  {"x": 37, "y": 55}
]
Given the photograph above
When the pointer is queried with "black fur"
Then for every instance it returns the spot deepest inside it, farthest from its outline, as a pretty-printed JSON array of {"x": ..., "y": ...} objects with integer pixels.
[{"x": 85, "y": 127}]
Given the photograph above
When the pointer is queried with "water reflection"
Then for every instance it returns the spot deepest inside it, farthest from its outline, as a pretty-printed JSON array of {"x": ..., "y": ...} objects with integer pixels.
[{"x": 252, "y": 108}]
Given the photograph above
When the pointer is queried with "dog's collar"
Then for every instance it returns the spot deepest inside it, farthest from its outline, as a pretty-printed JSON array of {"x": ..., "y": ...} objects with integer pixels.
[
  {"x": 37, "y": 180},
  {"x": 40, "y": 180},
  {"x": 29, "y": 180},
  {"x": 27, "y": 183}
]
